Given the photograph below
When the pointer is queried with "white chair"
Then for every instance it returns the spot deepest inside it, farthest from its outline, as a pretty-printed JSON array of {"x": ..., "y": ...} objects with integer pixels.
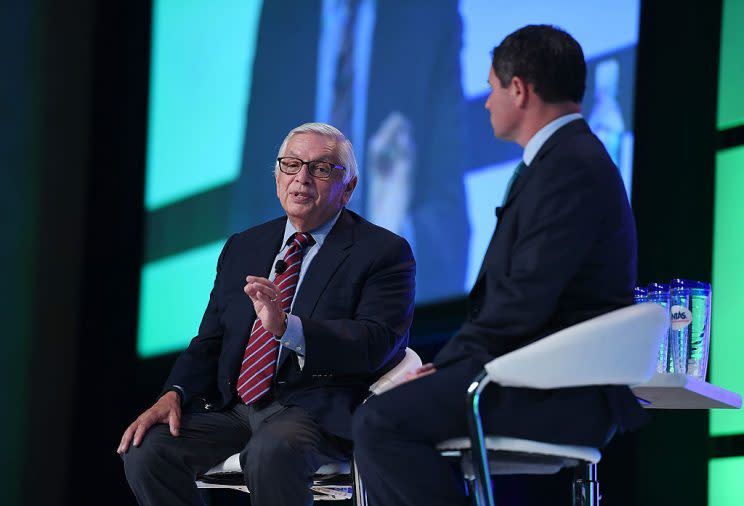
[
  {"x": 332, "y": 482},
  {"x": 618, "y": 348}
]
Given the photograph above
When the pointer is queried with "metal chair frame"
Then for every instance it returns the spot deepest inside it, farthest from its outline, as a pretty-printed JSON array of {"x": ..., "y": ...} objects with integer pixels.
[
  {"x": 643, "y": 325},
  {"x": 585, "y": 485}
]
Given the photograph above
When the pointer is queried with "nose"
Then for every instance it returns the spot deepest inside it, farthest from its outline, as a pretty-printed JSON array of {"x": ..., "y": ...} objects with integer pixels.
[{"x": 303, "y": 176}]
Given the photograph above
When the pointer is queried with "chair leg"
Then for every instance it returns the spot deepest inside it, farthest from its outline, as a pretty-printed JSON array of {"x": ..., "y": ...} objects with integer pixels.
[
  {"x": 469, "y": 485},
  {"x": 358, "y": 492},
  {"x": 585, "y": 485},
  {"x": 483, "y": 488}
]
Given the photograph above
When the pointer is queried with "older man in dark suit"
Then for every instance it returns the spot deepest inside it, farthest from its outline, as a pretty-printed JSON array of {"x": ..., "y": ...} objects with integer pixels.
[
  {"x": 564, "y": 250},
  {"x": 305, "y": 311}
]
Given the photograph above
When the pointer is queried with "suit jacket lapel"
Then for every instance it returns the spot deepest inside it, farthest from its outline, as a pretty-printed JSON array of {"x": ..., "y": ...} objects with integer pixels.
[
  {"x": 516, "y": 188},
  {"x": 571, "y": 128},
  {"x": 576, "y": 126},
  {"x": 261, "y": 261},
  {"x": 331, "y": 255},
  {"x": 266, "y": 249}
]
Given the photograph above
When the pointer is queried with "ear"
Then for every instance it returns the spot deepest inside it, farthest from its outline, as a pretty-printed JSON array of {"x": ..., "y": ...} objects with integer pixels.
[
  {"x": 520, "y": 91},
  {"x": 349, "y": 190}
]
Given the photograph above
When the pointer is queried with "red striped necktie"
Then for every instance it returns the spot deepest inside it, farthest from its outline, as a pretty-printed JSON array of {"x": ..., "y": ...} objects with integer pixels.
[{"x": 259, "y": 359}]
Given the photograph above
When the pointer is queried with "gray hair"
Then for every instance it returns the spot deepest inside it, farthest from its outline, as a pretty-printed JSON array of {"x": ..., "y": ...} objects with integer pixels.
[{"x": 344, "y": 149}]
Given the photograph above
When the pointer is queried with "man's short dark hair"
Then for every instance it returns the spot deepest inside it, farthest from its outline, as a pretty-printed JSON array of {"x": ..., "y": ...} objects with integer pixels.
[{"x": 545, "y": 57}]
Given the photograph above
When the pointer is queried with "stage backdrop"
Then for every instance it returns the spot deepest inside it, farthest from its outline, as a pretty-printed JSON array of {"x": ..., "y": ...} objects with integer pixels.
[
  {"x": 229, "y": 79},
  {"x": 726, "y": 467}
]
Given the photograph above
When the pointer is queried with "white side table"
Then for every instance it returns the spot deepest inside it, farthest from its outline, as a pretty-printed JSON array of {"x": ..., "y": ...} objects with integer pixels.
[{"x": 679, "y": 391}]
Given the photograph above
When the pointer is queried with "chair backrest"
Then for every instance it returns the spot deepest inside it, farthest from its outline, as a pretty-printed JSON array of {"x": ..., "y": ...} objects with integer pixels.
[
  {"x": 396, "y": 375},
  {"x": 617, "y": 348}
]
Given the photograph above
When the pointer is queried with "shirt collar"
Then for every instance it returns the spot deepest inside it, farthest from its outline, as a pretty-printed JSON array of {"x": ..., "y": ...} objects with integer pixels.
[
  {"x": 319, "y": 234},
  {"x": 542, "y": 135}
]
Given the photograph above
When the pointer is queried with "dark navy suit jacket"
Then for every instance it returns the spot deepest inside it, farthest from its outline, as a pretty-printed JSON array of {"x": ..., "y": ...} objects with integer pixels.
[
  {"x": 355, "y": 303},
  {"x": 564, "y": 250}
]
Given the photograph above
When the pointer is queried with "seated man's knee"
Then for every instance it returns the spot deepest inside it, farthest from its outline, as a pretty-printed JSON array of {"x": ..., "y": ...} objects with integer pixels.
[
  {"x": 367, "y": 424},
  {"x": 141, "y": 461},
  {"x": 271, "y": 452}
]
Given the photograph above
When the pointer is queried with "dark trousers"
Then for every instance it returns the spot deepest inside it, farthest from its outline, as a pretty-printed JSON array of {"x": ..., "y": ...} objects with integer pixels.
[
  {"x": 395, "y": 434},
  {"x": 280, "y": 450}
]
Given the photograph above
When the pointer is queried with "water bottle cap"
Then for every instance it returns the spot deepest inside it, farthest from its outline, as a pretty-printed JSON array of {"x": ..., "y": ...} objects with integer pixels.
[
  {"x": 689, "y": 283},
  {"x": 657, "y": 287}
]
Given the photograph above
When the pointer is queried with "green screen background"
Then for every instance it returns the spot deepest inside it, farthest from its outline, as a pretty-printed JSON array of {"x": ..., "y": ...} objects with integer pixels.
[
  {"x": 173, "y": 298},
  {"x": 727, "y": 342},
  {"x": 725, "y": 484},
  {"x": 199, "y": 126},
  {"x": 191, "y": 129}
]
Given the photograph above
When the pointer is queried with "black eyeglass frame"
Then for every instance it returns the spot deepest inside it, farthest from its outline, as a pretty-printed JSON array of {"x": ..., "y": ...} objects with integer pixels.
[{"x": 311, "y": 166}]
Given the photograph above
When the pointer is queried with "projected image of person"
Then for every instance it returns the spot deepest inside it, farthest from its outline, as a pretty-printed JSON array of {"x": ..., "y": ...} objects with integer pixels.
[
  {"x": 606, "y": 118},
  {"x": 306, "y": 311},
  {"x": 563, "y": 251},
  {"x": 363, "y": 66}
]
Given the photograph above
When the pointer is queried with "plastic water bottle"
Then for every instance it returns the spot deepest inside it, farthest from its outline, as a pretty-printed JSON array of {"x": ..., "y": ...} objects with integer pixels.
[
  {"x": 680, "y": 318},
  {"x": 640, "y": 295},
  {"x": 659, "y": 293},
  {"x": 697, "y": 329}
]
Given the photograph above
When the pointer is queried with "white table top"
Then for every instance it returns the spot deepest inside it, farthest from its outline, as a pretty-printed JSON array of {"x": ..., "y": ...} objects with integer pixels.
[{"x": 679, "y": 391}]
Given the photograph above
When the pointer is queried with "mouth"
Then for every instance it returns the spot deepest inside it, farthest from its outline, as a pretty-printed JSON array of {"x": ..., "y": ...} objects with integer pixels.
[{"x": 301, "y": 196}]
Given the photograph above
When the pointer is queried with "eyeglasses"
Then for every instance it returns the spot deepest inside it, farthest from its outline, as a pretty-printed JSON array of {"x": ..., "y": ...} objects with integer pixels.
[{"x": 317, "y": 168}]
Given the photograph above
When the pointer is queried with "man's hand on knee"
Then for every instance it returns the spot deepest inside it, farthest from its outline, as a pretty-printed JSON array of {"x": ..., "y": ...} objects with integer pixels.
[{"x": 167, "y": 409}]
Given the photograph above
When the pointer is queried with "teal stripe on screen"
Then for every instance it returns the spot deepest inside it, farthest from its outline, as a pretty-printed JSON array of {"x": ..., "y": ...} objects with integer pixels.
[
  {"x": 174, "y": 293},
  {"x": 727, "y": 336},
  {"x": 200, "y": 79},
  {"x": 725, "y": 484}
]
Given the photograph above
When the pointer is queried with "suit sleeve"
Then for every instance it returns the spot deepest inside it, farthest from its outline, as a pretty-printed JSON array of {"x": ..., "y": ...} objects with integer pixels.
[
  {"x": 378, "y": 327},
  {"x": 195, "y": 370},
  {"x": 554, "y": 240}
]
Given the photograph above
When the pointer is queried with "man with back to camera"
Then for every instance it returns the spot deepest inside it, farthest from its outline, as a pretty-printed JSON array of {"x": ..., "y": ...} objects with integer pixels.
[
  {"x": 564, "y": 251},
  {"x": 305, "y": 311}
]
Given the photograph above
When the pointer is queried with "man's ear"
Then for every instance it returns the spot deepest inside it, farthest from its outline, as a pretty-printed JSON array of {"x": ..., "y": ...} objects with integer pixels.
[
  {"x": 349, "y": 189},
  {"x": 520, "y": 91}
]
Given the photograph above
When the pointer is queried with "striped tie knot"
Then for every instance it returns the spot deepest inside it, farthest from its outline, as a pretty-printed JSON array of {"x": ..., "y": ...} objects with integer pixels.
[{"x": 301, "y": 241}]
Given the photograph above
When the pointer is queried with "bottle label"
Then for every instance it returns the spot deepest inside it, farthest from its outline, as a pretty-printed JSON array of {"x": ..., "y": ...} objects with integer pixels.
[{"x": 681, "y": 317}]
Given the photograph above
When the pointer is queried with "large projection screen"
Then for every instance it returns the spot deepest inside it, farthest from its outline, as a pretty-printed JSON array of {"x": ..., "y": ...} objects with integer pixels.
[{"x": 229, "y": 79}]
